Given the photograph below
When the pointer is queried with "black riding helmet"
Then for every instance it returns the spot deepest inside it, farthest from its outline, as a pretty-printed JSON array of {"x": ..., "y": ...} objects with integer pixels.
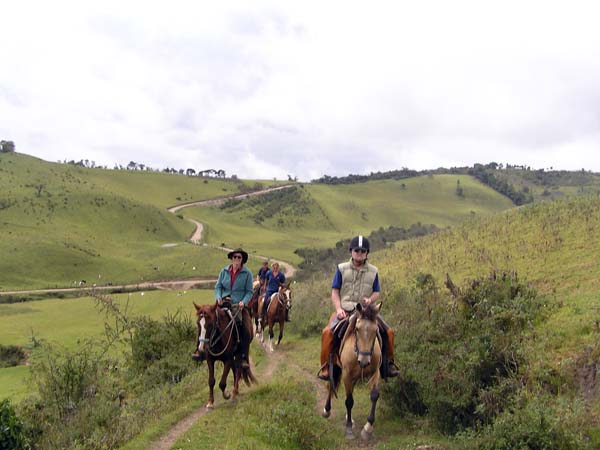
[{"x": 360, "y": 242}]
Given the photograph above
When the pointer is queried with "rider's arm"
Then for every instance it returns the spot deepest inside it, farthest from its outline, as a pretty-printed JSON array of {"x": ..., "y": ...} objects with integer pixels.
[
  {"x": 335, "y": 294},
  {"x": 219, "y": 287},
  {"x": 248, "y": 289},
  {"x": 375, "y": 295}
]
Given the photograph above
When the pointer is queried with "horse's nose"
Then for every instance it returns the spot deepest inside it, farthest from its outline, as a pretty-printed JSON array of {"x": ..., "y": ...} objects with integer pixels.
[{"x": 364, "y": 362}]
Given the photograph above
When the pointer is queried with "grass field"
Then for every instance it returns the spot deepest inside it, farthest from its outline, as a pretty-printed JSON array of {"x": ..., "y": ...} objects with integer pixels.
[
  {"x": 62, "y": 223},
  {"x": 320, "y": 215},
  {"x": 67, "y": 322}
]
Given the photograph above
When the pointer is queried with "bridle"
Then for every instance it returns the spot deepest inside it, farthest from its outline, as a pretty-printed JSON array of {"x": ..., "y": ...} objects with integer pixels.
[
  {"x": 215, "y": 333},
  {"x": 356, "y": 349}
]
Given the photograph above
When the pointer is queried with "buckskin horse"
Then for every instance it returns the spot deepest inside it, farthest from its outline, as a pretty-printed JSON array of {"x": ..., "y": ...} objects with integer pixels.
[
  {"x": 359, "y": 359},
  {"x": 218, "y": 339},
  {"x": 281, "y": 302}
]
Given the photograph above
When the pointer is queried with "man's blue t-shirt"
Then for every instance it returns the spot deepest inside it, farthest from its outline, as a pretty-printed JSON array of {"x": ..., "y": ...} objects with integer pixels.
[{"x": 273, "y": 282}]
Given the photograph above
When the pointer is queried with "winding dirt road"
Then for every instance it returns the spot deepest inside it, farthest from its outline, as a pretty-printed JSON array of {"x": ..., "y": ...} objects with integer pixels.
[{"x": 195, "y": 238}]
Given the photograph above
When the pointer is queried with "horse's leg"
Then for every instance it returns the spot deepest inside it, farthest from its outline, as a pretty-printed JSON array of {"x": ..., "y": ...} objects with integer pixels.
[
  {"x": 271, "y": 334},
  {"x": 349, "y": 387},
  {"x": 237, "y": 373},
  {"x": 223, "y": 382},
  {"x": 327, "y": 408},
  {"x": 367, "y": 430},
  {"x": 211, "y": 383},
  {"x": 281, "y": 322},
  {"x": 349, "y": 404}
]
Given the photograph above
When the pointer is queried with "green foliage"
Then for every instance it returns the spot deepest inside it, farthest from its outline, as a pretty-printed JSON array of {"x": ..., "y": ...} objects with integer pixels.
[
  {"x": 156, "y": 349},
  {"x": 12, "y": 431},
  {"x": 11, "y": 355},
  {"x": 535, "y": 424},
  {"x": 322, "y": 260},
  {"x": 461, "y": 359},
  {"x": 313, "y": 305}
]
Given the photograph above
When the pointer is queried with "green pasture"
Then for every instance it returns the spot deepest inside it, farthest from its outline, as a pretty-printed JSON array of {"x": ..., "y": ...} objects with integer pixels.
[
  {"x": 68, "y": 322},
  {"x": 62, "y": 223},
  {"x": 321, "y": 215}
]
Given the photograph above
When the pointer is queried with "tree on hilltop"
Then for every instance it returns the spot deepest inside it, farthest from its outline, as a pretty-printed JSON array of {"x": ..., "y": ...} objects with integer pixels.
[{"x": 7, "y": 146}]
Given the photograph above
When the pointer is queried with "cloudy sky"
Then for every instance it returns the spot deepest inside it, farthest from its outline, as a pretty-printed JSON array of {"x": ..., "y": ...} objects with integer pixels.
[{"x": 266, "y": 89}]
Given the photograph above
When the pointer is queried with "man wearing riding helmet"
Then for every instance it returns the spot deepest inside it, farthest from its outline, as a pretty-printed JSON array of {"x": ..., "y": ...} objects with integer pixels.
[{"x": 356, "y": 281}]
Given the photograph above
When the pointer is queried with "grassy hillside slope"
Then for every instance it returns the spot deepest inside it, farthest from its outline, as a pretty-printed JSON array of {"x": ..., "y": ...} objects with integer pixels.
[
  {"x": 62, "y": 223},
  {"x": 545, "y": 184},
  {"x": 320, "y": 215},
  {"x": 553, "y": 245}
]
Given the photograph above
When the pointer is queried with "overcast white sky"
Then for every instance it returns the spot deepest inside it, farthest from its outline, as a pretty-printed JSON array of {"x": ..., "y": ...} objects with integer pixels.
[{"x": 266, "y": 89}]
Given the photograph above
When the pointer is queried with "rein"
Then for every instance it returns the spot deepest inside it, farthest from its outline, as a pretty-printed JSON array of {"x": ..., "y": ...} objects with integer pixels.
[{"x": 211, "y": 341}]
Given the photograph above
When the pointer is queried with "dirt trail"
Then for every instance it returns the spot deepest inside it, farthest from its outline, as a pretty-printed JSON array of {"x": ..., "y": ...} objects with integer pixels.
[
  {"x": 181, "y": 427},
  {"x": 196, "y": 237}
]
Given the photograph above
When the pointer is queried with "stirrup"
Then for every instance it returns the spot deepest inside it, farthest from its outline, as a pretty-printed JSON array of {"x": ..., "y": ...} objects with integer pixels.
[{"x": 321, "y": 374}]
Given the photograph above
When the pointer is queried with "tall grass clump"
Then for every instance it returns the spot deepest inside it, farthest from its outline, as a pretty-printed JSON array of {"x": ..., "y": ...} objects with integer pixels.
[
  {"x": 462, "y": 358},
  {"x": 311, "y": 307},
  {"x": 104, "y": 392},
  {"x": 12, "y": 431}
]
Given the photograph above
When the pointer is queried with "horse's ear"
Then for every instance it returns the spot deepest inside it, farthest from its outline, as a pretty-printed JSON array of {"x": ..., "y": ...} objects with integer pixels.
[
  {"x": 359, "y": 307},
  {"x": 378, "y": 307},
  {"x": 196, "y": 306}
]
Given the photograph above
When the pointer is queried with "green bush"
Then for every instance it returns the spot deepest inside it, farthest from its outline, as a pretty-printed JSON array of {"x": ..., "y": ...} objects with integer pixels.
[
  {"x": 11, "y": 355},
  {"x": 311, "y": 307},
  {"x": 156, "y": 355},
  {"x": 12, "y": 431},
  {"x": 461, "y": 357},
  {"x": 534, "y": 426}
]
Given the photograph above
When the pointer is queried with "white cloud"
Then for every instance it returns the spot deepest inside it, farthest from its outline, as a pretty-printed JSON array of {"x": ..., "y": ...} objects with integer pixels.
[{"x": 303, "y": 88}]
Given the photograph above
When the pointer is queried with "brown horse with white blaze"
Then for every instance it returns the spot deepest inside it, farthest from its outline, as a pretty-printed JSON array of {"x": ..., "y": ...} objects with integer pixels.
[
  {"x": 279, "y": 305},
  {"x": 218, "y": 340},
  {"x": 359, "y": 359}
]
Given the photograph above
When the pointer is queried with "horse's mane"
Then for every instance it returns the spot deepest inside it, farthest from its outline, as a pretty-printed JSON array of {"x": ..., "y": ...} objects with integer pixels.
[{"x": 369, "y": 312}]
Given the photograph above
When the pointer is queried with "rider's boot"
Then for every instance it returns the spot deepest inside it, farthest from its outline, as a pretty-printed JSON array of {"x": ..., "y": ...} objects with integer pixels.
[
  {"x": 392, "y": 369},
  {"x": 326, "y": 349}
]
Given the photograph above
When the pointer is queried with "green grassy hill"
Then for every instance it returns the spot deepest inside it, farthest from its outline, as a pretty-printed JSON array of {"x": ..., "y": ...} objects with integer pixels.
[
  {"x": 317, "y": 215},
  {"x": 61, "y": 223},
  {"x": 554, "y": 246},
  {"x": 548, "y": 184}
]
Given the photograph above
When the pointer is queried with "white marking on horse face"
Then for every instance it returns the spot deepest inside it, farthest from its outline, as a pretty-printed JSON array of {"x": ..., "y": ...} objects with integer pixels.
[{"x": 202, "y": 323}]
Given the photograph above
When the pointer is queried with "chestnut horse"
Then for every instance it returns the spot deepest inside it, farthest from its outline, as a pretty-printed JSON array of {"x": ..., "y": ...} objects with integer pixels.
[
  {"x": 280, "y": 303},
  {"x": 257, "y": 292},
  {"x": 359, "y": 358},
  {"x": 218, "y": 339}
]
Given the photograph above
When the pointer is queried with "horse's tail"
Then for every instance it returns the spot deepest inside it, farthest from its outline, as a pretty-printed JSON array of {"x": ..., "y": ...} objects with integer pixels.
[
  {"x": 248, "y": 376},
  {"x": 334, "y": 379}
]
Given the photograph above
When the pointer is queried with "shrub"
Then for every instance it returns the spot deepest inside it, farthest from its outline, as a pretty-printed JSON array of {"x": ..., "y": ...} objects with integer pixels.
[
  {"x": 11, "y": 355},
  {"x": 534, "y": 426},
  {"x": 311, "y": 307},
  {"x": 460, "y": 359},
  {"x": 12, "y": 431}
]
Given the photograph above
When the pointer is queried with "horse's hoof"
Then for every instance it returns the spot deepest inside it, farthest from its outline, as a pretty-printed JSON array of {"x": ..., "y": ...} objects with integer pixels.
[
  {"x": 210, "y": 405},
  {"x": 349, "y": 434},
  {"x": 326, "y": 413},
  {"x": 226, "y": 395},
  {"x": 366, "y": 432}
]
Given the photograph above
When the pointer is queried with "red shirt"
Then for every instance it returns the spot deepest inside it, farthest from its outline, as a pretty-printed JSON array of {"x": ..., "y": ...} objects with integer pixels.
[{"x": 233, "y": 275}]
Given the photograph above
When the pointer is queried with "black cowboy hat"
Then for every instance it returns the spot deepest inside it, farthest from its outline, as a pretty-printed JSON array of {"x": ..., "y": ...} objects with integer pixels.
[{"x": 240, "y": 251}]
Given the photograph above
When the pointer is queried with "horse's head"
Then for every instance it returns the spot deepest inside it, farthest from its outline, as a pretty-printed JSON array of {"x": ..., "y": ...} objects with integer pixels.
[
  {"x": 365, "y": 331},
  {"x": 285, "y": 295},
  {"x": 206, "y": 319}
]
